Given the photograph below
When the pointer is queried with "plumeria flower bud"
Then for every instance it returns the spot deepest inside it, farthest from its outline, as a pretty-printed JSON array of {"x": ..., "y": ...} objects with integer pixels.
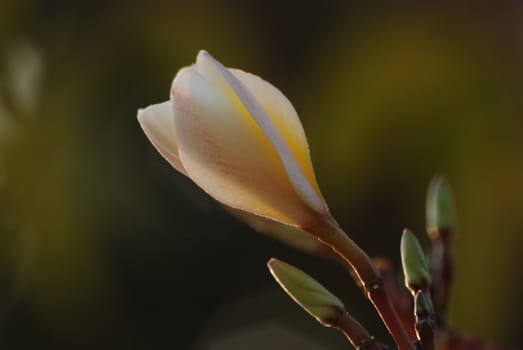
[
  {"x": 441, "y": 212},
  {"x": 308, "y": 293},
  {"x": 239, "y": 139},
  {"x": 415, "y": 268}
]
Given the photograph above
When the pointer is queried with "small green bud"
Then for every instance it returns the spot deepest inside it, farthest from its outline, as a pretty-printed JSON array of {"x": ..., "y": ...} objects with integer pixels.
[
  {"x": 415, "y": 268},
  {"x": 441, "y": 212},
  {"x": 307, "y": 292}
]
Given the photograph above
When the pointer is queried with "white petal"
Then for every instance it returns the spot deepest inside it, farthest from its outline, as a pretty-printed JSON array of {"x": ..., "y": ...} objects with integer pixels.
[
  {"x": 157, "y": 121},
  {"x": 226, "y": 153},
  {"x": 308, "y": 190},
  {"x": 284, "y": 116}
]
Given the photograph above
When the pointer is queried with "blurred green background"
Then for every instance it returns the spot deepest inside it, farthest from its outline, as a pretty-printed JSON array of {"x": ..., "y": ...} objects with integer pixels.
[{"x": 104, "y": 246}]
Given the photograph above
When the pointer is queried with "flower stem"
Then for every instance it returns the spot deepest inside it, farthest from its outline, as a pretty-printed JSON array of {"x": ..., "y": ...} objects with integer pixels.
[
  {"x": 352, "y": 329},
  {"x": 398, "y": 295},
  {"x": 442, "y": 270},
  {"x": 370, "y": 278},
  {"x": 424, "y": 318}
]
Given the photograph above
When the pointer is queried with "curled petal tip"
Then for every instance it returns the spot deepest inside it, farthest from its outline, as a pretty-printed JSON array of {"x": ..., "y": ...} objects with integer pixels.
[
  {"x": 157, "y": 122},
  {"x": 140, "y": 115},
  {"x": 204, "y": 56},
  {"x": 203, "y": 53}
]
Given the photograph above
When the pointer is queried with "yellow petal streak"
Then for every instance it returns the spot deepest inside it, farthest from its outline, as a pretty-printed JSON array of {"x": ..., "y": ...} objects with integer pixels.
[
  {"x": 227, "y": 154},
  {"x": 283, "y": 114},
  {"x": 280, "y": 126}
]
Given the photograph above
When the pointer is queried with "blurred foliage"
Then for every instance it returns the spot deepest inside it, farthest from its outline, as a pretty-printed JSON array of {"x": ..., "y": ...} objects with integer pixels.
[{"x": 102, "y": 245}]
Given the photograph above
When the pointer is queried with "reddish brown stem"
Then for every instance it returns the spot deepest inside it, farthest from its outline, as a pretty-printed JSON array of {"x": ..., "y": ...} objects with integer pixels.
[
  {"x": 352, "y": 329},
  {"x": 400, "y": 298},
  {"x": 424, "y": 321},
  {"x": 425, "y": 330},
  {"x": 442, "y": 270},
  {"x": 388, "y": 314},
  {"x": 370, "y": 278}
]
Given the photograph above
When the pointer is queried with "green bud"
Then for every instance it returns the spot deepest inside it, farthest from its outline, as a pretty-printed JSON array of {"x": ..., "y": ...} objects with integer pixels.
[
  {"x": 441, "y": 213},
  {"x": 307, "y": 292},
  {"x": 415, "y": 268}
]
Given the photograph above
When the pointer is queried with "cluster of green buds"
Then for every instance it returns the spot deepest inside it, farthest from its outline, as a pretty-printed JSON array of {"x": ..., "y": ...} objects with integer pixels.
[{"x": 426, "y": 277}]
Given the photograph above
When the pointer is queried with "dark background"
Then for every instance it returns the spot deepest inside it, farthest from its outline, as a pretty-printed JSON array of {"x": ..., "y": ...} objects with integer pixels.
[{"x": 104, "y": 246}]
